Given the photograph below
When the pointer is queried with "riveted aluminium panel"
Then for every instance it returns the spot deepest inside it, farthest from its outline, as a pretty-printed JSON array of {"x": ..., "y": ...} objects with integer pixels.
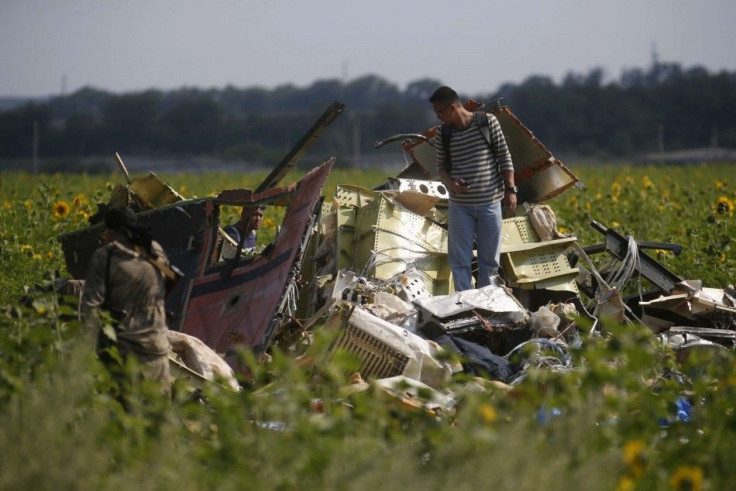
[{"x": 389, "y": 239}]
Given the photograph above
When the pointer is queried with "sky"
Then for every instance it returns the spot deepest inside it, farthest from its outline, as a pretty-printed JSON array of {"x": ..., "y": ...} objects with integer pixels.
[{"x": 50, "y": 47}]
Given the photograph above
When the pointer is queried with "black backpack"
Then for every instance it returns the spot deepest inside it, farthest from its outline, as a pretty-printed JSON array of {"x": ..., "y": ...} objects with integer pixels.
[{"x": 446, "y": 133}]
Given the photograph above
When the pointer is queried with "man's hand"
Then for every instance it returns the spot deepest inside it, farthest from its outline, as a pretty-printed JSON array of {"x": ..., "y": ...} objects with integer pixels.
[
  {"x": 459, "y": 186},
  {"x": 510, "y": 201}
]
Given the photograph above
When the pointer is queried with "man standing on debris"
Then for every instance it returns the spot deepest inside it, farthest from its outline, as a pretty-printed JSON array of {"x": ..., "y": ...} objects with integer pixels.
[
  {"x": 128, "y": 277},
  {"x": 475, "y": 165},
  {"x": 247, "y": 227}
]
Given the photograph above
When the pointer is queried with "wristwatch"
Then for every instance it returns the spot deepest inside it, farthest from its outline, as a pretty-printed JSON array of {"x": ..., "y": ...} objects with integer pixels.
[{"x": 512, "y": 189}]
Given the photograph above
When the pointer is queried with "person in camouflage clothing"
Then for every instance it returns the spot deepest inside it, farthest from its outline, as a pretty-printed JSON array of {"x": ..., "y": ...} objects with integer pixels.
[{"x": 127, "y": 277}]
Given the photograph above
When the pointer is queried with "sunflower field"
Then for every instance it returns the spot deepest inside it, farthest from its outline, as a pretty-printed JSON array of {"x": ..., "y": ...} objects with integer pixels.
[{"x": 630, "y": 416}]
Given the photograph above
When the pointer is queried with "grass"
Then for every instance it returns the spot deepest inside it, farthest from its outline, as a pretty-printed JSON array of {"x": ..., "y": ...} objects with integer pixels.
[{"x": 611, "y": 423}]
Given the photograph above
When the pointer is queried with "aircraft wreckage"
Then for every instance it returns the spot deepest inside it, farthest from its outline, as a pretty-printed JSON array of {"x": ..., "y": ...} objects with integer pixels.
[{"x": 371, "y": 265}]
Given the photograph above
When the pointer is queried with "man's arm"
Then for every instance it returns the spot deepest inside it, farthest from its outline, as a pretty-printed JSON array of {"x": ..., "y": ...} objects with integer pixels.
[
  {"x": 508, "y": 196},
  {"x": 503, "y": 158}
]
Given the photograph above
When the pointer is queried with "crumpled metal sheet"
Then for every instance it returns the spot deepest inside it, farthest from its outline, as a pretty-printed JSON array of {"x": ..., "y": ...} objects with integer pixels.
[
  {"x": 493, "y": 302},
  {"x": 691, "y": 304}
]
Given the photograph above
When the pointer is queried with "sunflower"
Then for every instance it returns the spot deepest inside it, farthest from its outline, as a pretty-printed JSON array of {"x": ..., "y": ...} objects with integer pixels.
[
  {"x": 724, "y": 206},
  {"x": 61, "y": 209},
  {"x": 79, "y": 200},
  {"x": 634, "y": 456},
  {"x": 687, "y": 477}
]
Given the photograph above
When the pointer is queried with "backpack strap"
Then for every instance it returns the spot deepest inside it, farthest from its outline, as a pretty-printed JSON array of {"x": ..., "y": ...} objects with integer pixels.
[{"x": 482, "y": 119}]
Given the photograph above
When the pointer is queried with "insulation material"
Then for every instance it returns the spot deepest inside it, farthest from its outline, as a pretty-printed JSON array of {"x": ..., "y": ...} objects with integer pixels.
[{"x": 201, "y": 359}]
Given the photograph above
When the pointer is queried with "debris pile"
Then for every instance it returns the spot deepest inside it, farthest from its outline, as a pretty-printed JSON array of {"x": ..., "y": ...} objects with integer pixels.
[{"x": 370, "y": 265}]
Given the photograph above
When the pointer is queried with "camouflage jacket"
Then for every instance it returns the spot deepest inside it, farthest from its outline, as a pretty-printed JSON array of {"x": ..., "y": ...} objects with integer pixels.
[{"x": 123, "y": 282}]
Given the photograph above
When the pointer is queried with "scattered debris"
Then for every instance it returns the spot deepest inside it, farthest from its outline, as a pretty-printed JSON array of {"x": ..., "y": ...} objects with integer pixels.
[{"x": 371, "y": 266}]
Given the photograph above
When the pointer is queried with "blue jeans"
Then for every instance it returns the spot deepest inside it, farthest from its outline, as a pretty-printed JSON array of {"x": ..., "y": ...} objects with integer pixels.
[{"x": 467, "y": 223}]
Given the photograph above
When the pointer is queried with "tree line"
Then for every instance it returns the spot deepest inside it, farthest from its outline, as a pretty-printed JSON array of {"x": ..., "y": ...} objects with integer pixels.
[{"x": 583, "y": 115}]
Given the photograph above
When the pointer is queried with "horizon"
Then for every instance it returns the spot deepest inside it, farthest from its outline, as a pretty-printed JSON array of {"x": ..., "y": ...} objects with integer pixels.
[
  {"x": 608, "y": 78},
  {"x": 49, "y": 48}
]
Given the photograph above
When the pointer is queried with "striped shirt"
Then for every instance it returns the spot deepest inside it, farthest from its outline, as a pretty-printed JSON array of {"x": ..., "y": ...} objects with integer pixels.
[{"x": 473, "y": 160}]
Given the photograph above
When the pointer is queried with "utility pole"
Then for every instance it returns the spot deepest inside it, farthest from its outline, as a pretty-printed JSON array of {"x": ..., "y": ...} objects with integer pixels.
[
  {"x": 35, "y": 147},
  {"x": 356, "y": 143},
  {"x": 660, "y": 142}
]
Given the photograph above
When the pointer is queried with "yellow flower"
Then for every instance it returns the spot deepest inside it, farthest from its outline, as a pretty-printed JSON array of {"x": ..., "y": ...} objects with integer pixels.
[
  {"x": 626, "y": 483},
  {"x": 79, "y": 200},
  {"x": 488, "y": 413},
  {"x": 723, "y": 206},
  {"x": 182, "y": 190},
  {"x": 27, "y": 203},
  {"x": 269, "y": 223},
  {"x": 49, "y": 255},
  {"x": 615, "y": 189},
  {"x": 61, "y": 209},
  {"x": 687, "y": 477},
  {"x": 37, "y": 256},
  {"x": 646, "y": 182},
  {"x": 26, "y": 247},
  {"x": 83, "y": 215},
  {"x": 7, "y": 205},
  {"x": 719, "y": 184},
  {"x": 634, "y": 456}
]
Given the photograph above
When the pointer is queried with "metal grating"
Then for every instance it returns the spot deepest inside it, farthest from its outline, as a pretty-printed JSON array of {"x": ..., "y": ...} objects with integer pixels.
[{"x": 378, "y": 360}]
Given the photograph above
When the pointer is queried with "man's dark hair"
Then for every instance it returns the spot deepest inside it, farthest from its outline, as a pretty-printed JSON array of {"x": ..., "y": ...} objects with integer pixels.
[{"x": 444, "y": 95}]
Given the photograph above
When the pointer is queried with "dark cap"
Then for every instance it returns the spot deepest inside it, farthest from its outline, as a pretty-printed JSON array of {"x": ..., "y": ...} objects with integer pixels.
[{"x": 120, "y": 217}]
